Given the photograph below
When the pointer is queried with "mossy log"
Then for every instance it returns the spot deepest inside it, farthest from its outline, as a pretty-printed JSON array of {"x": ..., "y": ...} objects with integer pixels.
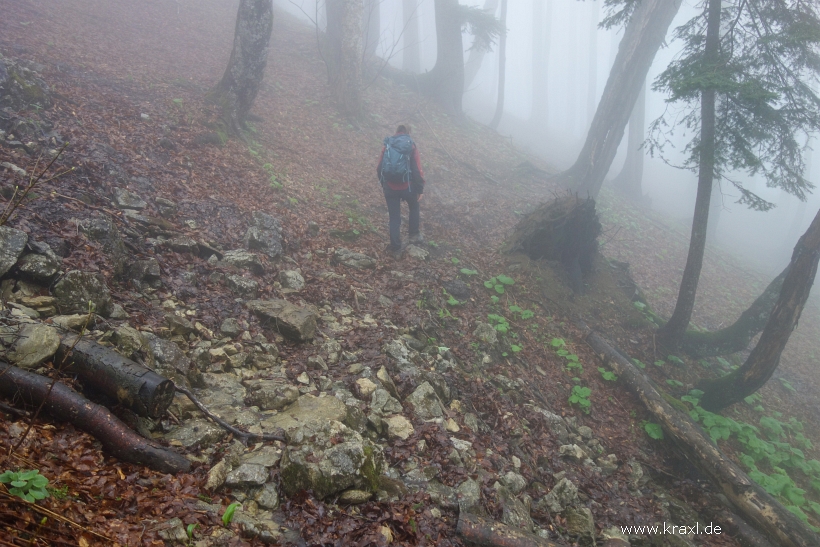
[
  {"x": 752, "y": 502},
  {"x": 564, "y": 230}
]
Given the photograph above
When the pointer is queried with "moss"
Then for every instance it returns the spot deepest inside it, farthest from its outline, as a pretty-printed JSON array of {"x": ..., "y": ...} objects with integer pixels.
[{"x": 369, "y": 469}]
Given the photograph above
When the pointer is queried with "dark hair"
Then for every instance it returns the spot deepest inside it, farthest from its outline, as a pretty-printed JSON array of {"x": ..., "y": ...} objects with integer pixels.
[{"x": 405, "y": 129}]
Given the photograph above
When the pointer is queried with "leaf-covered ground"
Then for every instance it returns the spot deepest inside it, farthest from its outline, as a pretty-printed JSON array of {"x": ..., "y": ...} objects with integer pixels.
[{"x": 129, "y": 80}]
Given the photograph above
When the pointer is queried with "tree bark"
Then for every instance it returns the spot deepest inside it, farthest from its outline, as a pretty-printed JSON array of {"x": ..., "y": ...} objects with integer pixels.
[
  {"x": 592, "y": 74},
  {"x": 488, "y": 533},
  {"x": 778, "y": 524},
  {"x": 411, "y": 54},
  {"x": 502, "y": 68},
  {"x": 237, "y": 90},
  {"x": 643, "y": 36},
  {"x": 62, "y": 402},
  {"x": 764, "y": 358},
  {"x": 130, "y": 384},
  {"x": 737, "y": 336},
  {"x": 445, "y": 82},
  {"x": 343, "y": 54},
  {"x": 541, "y": 30},
  {"x": 672, "y": 332},
  {"x": 371, "y": 23},
  {"x": 629, "y": 180},
  {"x": 476, "y": 56}
]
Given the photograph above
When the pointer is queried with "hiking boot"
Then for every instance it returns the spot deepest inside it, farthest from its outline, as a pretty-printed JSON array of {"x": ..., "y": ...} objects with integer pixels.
[
  {"x": 416, "y": 239},
  {"x": 395, "y": 253}
]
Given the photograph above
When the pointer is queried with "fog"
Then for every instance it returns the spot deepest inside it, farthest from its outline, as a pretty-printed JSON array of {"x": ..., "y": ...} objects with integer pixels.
[{"x": 577, "y": 67}]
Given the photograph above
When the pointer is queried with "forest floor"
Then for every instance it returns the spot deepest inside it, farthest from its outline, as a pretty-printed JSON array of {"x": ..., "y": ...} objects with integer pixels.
[{"x": 129, "y": 76}]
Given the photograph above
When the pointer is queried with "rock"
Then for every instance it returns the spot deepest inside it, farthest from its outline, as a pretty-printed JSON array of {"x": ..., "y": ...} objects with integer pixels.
[
  {"x": 308, "y": 408},
  {"x": 355, "y": 497},
  {"x": 293, "y": 322},
  {"x": 125, "y": 199},
  {"x": 572, "y": 451},
  {"x": 417, "y": 252},
  {"x": 196, "y": 433},
  {"x": 556, "y": 424},
  {"x": 242, "y": 286},
  {"x": 264, "y": 360},
  {"x": 382, "y": 403},
  {"x": 366, "y": 387},
  {"x": 173, "y": 531},
  {"x": 585, "y": 432},
  {"x": 353, "y": 259},
  {"x": 469, "y": 497},
  {"x": 77, "y": 290},
  {"x": 608, "y": 464},
  {"x": 217, "y": 474},
  {"x": 179, "y": 325},
  {"x": 230, "y": 327},
  {"x": 513, "y": 511},
  {"x": 580, "y": 524},
  {"x": 132, "y": 344},
  {"x": 398, "y": 427},
  {"x": 514, "y": 482},
  {"x": 613, "y": 537},
  {"x": 265, "y": 234},
  {"x": 104, "y": 231},
  {"x": 267, "y": 497},
  {"x": 12, "y": 244},
  {"x": 291, "y": 279},
  {"x": 457, "y": 288},
  {"x": 316, "y": 363},
  {"x": 73, "y": 322},
  {"x": 328, "y": 457},
  {"x": 267, "y": 456},
  {"x": 118, "y": 312},
  {"x": 387, "y": 382},
  {"x": 426, "y": 404},
  {"x": 183, "y": 244},
  {"x": 165, "y": 207},
  {"x": 171, "y": 362},
  {"x": 146, "y": 273},
  {"x": 486, "y": 333},
  {"x": 564, "y": 494},
  {"x": 244, "y": 260},
  {"x": 384, "y": 301},
  {"x": 35, "y": 344},
  {"x": 39, "y": 268},
  {"x": 451, "y": 426},
  {"x": 247, "y": 475},
  {"x": 271, "y": 394}
]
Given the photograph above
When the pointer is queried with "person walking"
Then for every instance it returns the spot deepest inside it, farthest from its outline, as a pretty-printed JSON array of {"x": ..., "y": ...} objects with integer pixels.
[{"x": 402, "y": 179}]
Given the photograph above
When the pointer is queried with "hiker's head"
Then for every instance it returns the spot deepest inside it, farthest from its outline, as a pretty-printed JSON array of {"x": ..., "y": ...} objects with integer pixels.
[{"x": 403, "y": 130}]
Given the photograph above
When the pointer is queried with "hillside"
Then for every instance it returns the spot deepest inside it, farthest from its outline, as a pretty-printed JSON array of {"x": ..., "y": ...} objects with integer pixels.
[{"x": 455, "y": 413}]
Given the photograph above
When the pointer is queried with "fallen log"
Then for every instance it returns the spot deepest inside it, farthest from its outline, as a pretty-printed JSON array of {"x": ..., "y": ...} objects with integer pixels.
[
  {"x": 132, "y": 385},
  {"x": 32, "y": 390},
  {"x": 755, "y": 505},
  {"x": 489, "y": 533}
]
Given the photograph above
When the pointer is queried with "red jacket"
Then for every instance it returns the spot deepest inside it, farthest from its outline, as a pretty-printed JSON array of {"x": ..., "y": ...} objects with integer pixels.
[{"x": 416, "y": 173}]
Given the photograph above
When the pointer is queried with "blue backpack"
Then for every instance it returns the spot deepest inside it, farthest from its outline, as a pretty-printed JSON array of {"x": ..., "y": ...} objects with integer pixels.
[{"x": 396, "y": 159}]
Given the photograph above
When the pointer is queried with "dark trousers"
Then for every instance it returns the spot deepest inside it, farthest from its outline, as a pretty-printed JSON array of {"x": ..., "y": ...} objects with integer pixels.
[{"x": 394, "y": 199}]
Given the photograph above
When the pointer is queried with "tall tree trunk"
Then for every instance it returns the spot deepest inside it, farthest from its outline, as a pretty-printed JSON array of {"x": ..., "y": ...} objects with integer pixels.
[
  {"x": 343, "y": 53},
  {"x": 371, "y": 23},
  {"x": 476, "y": 56},
  {"x": 411, "y": 52},
  {"x": 592, "y": 77},
  {"x": 715, "y": 210},
  {"x": 445, "y": 81},
  {"x": 238, "y": 87},
  {"x": 643, "y": 36},
  {"x": 502, "y": 68},
  {"x": 541, "y": 33},
  {"x": 629, "y": 180},
  {"x": 672, "y": 332},
  {"x": 764, "y": 358}
]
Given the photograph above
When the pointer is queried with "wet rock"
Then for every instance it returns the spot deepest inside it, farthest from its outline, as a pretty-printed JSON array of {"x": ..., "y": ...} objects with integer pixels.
[
  {"x": 486, "y": 333},
  {"x": 382, "y": 403},
  {"x": 179, "y": 325},
  {"x": 267, "y": 456},
  {"x": 426, "y": 404},
  {"x": 267, "y": 497},
  {"x": 39, "y": 268},
  {"x": 352, "y": 259},
  {"x": 265, "y": 235},
  {"x": 133, "y": 344},
  {"x": 308, "y": 408},
  {"x": 273, "y": 394},
  {"x": 293, "y": 322},
  {"x": 76, "y": 290},
  {"x": 580, "y": 524},
  {"x": 12, "y": 244},
  {"x": 104, "y": 231},
  {"x": 247, "y": 475},
  {"x": 244, "y": 260},
  {"x": 398, "y": 427},
  {"x": 125, "y": 199},
  {"x": 513, "y": 511},
  {"x": 514, "y": 482},
  {"x": 329, "y": 457},
  {"x": 182, "y": 244},
  {"x": 242, "y": 286},
  {"x": 35, "y": 344},
  {"x": 201, "y": 433},
  {"x": 387, "y": 382},
  {"x": 469, "y": 497},
  {"x": 145, "y": 273},
  {"x": 230, "y": 327},
  {"x": 171, "y": 362},
  {"x": 564, "y": 494},
  {"x": 291, "y": 279},
  {"x": 74, "y": 322}
]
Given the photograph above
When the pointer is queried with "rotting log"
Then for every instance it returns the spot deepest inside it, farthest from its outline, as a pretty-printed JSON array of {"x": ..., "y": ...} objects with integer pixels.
[
  {"x": 132, "y": 385},
  {"x": 28, "y": 389},
  {"x": 489, "y": 533},
  {"x": 755, "y": 505}
]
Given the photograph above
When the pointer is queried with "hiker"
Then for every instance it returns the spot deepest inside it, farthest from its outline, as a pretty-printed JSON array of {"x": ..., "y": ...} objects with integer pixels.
[{"x": 402, "y": 178}]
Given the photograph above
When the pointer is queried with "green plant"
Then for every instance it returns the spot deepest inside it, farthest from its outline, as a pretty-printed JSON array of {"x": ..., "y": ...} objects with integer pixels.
[
  {"x": 654, "y": 431},
  {"x": 640, "y": 364},
  {"x": 580, "y": 396},
  {"x": 523, "y": 314},
  {"x": 607, "y": 375},
  {"x": 27, "y": 484},
  {"x": 227, "y": 516},
  {"x": 468, "y": 272},
  {"x": 454, "y": 260},
  {"x": 499, "y": 322},
  {"x": 674, "y": 383},
  {"x": 60, "y": 493},
  {"x": 498, "y": 283},
  {"x": 189, "y": 531},
  {"x": 675, "y": 360}
]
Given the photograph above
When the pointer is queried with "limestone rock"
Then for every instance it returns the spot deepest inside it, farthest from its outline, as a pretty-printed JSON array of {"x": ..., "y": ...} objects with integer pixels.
[
  {"x": 469, "y": 497},
  {"x": 132, "y": 344},
  {"x": 426, "y": 404},
  {"x": 76, "y": 289},
  {"x": 183, "y": 244},
  {"x": 12, "y": 244},
  {"x": 35, "y": 344},
  {"x": 171, "y": 362},
  {"x": 564, "y": 494},
  {"x": 293, "y": 322},
  {"x": 246, "y": 475},
  {"x": 126, "y": 199},
  {"x": 179, "y": 325},
  {"x": 382, "y": 403},
  {"x": 73, "y": 322},
  {"x": 514, "y": 512},
  {"x": 273, "y": 394},
  {"x": 267, "y": 497},
  {"x": 398, "y": 427},
  {"x": 291, "y": 279},
  {"x": 353, "y": 259},
  {"x": 265, "y": 235},
  {"x": 486, "y": 333},
  {"x": 230, "y": 327},
  {"x": 514, "y": 482},
  {"x": 244, "y": 260},
  {"x": 580, "y": 524},
  {"x": 39, "y": 268},
  {"x": 242, "y": 286},
  {"x": 308, "y": 408},
  {"x": 145, "y": 272},
  {"x": 200, "y": 433}
]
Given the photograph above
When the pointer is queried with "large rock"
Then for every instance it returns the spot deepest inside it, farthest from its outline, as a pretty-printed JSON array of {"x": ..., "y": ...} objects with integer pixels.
[
  {"x": 126, "y": 199},
  {"x": 104, "y": 231},
  {"x": 398, "y": 426},
  {"x": 39, "y": 268},
  {"x": 242, "y": 286},
  {"x": 196, "y": 433},
  {"x": 564, "y": 494},
  {"x": 134, "y": 345},
  {"x": 580, "y": 524},
  {"x": 308, "y": 408},
  {"x": 273, "y": 394},
  {"x": 265, "y": 234},
  {"x": 35, "y": 344},
  {"x": 328, "y": 457},
  {"x": 77, "y": 289},
  {"x": 146, "y": 272},
  {"x": 293, "y": 322},
  {"x": 425, "y": 402},
  {"x": 171, "y": 362},
  {"x": 353, "y": 259},
  {"x": 514, "y": 512},
  {"x": 12, "y": 244},
  {"x": 244, "y": 260}
]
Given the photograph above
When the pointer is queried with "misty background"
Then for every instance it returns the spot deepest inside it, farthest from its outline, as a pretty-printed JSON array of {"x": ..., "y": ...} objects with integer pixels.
[{"x": 579, "y": 55}]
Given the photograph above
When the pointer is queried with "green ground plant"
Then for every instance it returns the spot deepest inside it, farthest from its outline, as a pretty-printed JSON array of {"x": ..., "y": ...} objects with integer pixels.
[
  {"x": 28, "y": 484},
  {"x": 580, "y": 396}
]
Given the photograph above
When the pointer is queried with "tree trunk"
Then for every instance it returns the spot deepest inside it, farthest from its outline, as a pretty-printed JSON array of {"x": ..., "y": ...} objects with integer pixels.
[
  {"x": 502, "y": 68},
  {"x": 371, "y": 23},
  {"x": 629, "y": 180},
  {"x": 343, "y": 54},
  {"x": 130, "y": 384},
  {"x": 411, "y": 54},
  {"x": 237, "y": 90},
  {"x": 64, "y": 403},
  {"x": 781, "y": 526},
  {"x": 592, "y": 75},
  {"x": 476, "y": 56},
  {"x": 445, "y": 82},
  {"x": 541, "y": 31},
  {"x": 737, "y": 336},
  {"x": 764, "y": 358},
  {"x": 643, "y": 36},
  {"x": 672, "y": 332}
]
